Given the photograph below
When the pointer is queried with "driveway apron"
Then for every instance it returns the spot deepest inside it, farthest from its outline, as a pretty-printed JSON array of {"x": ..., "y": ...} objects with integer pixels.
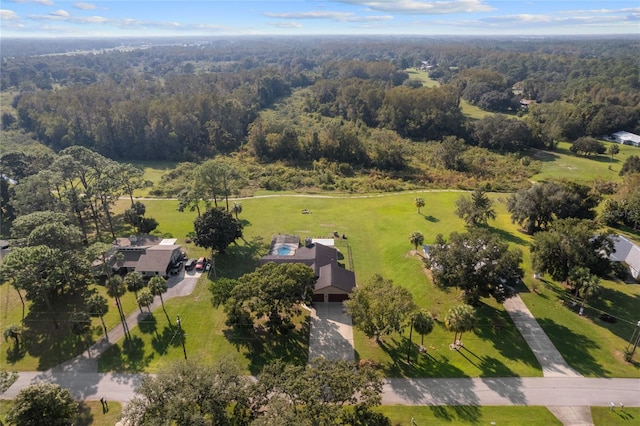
[{"x": 331, "y": 332}]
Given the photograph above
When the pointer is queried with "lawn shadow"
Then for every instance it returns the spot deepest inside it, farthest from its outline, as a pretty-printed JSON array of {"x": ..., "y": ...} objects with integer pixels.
[
  {"x": 85, "y": 416},
  {"x": 574, "y": 348},
  {"x": 431, "y": 218},
  {"x": 544, "y": 156},
  {"x": 497, "y": 327},
  {"x": 170, "y": 337},
  {"x": 130, "y": 357},
  {"x": 421, "y": 365},
  {"x": 240, "y": 259},
  {"x": 507, "y": 236},
  {"x": 147, "y": 323},
  {"x": 42, "y": 340},
  {"x": 618, "y": 305},
  {"x": 263, "y": 347}
]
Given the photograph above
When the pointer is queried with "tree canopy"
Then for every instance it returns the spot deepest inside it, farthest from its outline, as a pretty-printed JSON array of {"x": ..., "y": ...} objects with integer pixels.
[
  {"x": 272, "y": 291},
  {"x": 216, "y": 229},
  {"x": 476, "y": 209},
  {"x": 378, "y": 307},
  {"x": 534, "y": 208},
  {"x": 478, "y": 262},
  {"x": 43, "y": 404},
  {"x": 571, "y": 243}
]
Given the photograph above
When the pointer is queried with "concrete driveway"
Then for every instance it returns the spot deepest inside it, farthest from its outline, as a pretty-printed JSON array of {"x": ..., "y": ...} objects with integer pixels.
[{"x": 331, "y": 332}]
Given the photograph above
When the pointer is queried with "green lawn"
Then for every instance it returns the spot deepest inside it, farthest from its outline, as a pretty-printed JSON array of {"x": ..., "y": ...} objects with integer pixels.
[
  {"x": 377, "y": 232},
  {"x": 468, "y": 415},
  {"x": 603, "y": 416},
  {"x": 153, "y": 171},
  {"x": 564, "y": 164}
]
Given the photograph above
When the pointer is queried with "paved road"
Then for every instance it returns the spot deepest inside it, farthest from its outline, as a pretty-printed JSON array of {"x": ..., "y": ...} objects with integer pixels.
[
  {"x": 538, "y": 391},
  {"x": 562, "y": 390}
]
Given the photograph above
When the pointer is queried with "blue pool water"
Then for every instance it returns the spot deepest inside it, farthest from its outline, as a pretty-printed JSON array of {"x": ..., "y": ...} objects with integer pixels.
[{"x": 284, "y": 251}]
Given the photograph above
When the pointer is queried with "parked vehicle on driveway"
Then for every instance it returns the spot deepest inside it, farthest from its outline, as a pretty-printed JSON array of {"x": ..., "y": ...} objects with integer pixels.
[
  {"x": 189, "y": 264},
  {"x": 201, "y": 263}
]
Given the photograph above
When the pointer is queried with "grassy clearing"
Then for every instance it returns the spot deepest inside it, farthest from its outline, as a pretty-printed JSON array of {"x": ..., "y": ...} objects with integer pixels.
[
  {"x": 153, "y": 171},
  {"x": 470, "y": 111},
  {"x": 563, "y": 164},
  {"x": 90, "y": 413},
  {"x": 468, "y": 415}
]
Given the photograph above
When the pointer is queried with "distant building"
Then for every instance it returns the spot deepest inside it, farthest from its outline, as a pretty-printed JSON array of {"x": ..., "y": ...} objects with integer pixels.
[
  {"x": 627, "y": 138},
  {"x": 628, "y": 253},
  {"x": 334, "y": 283}
]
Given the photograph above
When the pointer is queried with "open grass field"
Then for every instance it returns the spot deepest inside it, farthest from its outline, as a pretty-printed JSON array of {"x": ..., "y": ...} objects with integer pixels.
[
  {"x": 470, "y": 111},
  {"x": 153, "y": 171},
  {"x": 564, "y": 164}
]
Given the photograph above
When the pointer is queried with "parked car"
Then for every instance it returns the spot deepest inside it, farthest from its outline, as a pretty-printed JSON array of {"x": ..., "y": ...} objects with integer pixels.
[
  {"x": 201, "y": 263},
  {"x": 189, "y": 264}
]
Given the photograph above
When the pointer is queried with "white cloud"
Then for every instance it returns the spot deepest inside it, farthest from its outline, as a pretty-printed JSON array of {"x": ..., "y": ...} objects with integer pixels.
[
  {"x": 42, "y": 2},
  {"x": 84, "y": 5},
  {"x": 335, "y": 16},
  {"x": 291, "y": 24},
  {"x": 62, "y": 13},
  {"x": 421, "y": 7},
  {"x": 8, "y": 15}
]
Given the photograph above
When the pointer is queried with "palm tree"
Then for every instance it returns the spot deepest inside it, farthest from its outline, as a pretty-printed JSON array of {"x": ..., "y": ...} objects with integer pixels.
[
  {"x": 97, "y": 306},
  {"x": 13, "y": 331},
  {"x": 116, "y": 289},
  {"x": 419, "y": 203},
  {"x": 459, "y": 319},
  {"x": 134, "y": 282},
  {"x": 589, "y": 289},
  {"x": 158, "y": 286},
  {"x": 416, "y": 239},
  {"x": 145, "y": 298},
  {"x": 423, "y": 322},
  {"x": 236, "y": 209}
]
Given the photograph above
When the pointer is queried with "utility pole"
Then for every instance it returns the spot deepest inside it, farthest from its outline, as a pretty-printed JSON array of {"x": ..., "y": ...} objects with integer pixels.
[{"x": 635, "y": 339}]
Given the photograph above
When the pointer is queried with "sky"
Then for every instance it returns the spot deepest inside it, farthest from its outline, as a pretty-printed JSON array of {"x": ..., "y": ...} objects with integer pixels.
[{"x": 147, "y": 18}]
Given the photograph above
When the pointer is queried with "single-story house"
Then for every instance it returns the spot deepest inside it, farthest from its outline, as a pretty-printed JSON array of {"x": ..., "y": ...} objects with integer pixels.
[
  {"x": 334, "y": 283},
  {"x": 149, "y": 255},
  {"x": 627, "y": 138},
  {"x": 629, "y": 253}
]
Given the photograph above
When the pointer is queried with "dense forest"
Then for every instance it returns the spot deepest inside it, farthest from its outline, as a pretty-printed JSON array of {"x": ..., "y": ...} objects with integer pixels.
[{"x": 344, "y": 105}]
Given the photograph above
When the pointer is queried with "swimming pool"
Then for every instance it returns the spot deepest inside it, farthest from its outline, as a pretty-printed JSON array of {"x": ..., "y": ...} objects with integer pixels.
[{"x": 284, "y": 251}]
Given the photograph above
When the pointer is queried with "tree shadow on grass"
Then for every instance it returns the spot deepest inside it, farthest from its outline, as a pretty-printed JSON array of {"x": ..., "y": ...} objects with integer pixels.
[
  {"x": 85, "y": 416},
  {"x": 170, "y": 337},
  {"x": 431, "y": 218},
  {"x": 507, "y": 236},
  {"x": 42, "y": 340},
  {"x": 421, "y": 365},
  {"x": 240, "y": 259},
  {"x": 147, "y": 323},
  {"x": 264, "y": 347},
  {"x": 574, "y": 348},
  {"x": 128, "y": 358},
  {"x": 620, "y": 306},
  {"x": 496, "y": 326}
]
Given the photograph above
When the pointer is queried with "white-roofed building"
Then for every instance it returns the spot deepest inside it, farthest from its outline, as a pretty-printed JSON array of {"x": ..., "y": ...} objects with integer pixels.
[
  {"x": 629, "y": 253},
  {"x": 627, "y": 138}
]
